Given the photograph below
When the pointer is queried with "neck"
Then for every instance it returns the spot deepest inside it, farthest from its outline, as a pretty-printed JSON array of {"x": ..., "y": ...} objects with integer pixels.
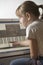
[{"x": 32, "y": 19}]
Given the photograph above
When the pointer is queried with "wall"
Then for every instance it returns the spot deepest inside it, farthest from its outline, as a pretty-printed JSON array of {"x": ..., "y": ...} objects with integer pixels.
[{"x": 8, "y": 7}]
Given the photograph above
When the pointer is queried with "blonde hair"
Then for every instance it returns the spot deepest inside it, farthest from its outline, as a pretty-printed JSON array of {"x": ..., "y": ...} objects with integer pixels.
[{"x": 30, "y": 7}]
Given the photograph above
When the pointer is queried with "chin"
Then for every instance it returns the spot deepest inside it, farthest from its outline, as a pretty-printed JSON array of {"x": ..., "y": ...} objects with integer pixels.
[{"x": 25, "y": 26}]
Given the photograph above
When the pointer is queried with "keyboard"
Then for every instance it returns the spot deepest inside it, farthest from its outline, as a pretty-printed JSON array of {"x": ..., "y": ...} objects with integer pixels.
[{"x": 5, "y": 42}]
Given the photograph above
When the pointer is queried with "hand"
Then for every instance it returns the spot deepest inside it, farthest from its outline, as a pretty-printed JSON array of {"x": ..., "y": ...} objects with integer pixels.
[{"x": 14, "y": 43}]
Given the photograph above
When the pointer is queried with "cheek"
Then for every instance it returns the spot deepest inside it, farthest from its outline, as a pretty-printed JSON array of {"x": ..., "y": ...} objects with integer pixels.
[{"x": 23, "y": 21}]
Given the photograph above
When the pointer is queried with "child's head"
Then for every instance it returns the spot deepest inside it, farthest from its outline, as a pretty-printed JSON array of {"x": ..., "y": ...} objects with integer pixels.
[{"x": 27, "y": 11}]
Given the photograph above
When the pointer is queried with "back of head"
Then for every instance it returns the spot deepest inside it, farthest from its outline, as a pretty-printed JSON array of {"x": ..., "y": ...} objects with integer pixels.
[{"x": 30, "y": 7}]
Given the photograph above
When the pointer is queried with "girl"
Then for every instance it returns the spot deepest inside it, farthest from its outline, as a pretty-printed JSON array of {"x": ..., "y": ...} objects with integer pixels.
[{"x": 28, "y": 13}]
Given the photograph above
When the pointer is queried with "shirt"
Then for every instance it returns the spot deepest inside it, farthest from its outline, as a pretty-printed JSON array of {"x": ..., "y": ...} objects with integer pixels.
[{"x": 35, "y": 31}]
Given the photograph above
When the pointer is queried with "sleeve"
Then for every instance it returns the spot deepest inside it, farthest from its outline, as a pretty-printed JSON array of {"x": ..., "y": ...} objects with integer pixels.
[{"x": 30, "y": 33}]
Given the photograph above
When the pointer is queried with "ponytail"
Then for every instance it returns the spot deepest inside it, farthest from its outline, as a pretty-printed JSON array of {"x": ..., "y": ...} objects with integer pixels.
[{"x": 41, "y": 6}]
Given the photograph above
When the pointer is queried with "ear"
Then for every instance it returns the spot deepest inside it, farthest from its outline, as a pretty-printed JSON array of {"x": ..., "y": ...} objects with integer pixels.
[{"x": 28, "y": 16}]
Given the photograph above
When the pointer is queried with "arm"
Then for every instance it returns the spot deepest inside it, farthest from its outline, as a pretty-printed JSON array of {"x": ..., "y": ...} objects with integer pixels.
[
  {"x": 32, "y": 43},
  {"x": 33, "y": 48},
  {"x": 32, "y": 37},
  {"x": 22, "y": 43}
]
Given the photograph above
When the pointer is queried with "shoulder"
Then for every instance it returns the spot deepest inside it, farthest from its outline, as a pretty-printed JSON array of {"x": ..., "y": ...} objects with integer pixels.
[
  {"x": 33, "y": 25},
  {"x": 33, "y": 28}
]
